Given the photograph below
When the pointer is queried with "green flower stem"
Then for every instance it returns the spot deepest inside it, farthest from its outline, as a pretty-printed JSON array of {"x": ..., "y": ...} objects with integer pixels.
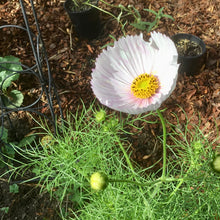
[
  {"x": 163, "y": 177},
  {"x": 133, "y": 182},
  {"x": 125, "y": 154},
  {"x": 178, "y": 186},
  {"x": 181, "y": 180}
]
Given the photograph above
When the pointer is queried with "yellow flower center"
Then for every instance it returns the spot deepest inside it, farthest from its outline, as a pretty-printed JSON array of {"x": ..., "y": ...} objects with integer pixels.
[{"x": 144, "y": 86}]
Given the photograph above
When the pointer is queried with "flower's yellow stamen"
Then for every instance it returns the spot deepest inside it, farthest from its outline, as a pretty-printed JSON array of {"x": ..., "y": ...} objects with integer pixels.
[{"x": 144, "y": 86}]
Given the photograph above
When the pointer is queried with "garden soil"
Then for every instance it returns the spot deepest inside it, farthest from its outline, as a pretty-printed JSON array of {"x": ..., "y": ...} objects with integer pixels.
[{"x": 72, "y": 59}]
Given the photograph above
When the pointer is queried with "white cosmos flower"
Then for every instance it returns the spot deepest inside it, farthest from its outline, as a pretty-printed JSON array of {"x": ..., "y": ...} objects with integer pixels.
[{"x": 135, "y": 76}]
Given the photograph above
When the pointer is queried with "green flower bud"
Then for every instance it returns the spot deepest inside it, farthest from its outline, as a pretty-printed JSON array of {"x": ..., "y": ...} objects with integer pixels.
[
  {"x": 113, "y": 122},
  {"x": 100, "y": 116},
  {"x": 105, "y": 128},
  {"x": 99, "y": 181},
  {"x": 216, "y": 163},
  {"x": 197, "y": 145}
]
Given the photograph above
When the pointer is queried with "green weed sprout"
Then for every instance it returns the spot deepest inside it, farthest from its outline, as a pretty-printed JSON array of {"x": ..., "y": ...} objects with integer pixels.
[
  {"x": 154, "y": 24},
  {"x": 138, "y": 21},
  {"x": 81, "y": 5}
]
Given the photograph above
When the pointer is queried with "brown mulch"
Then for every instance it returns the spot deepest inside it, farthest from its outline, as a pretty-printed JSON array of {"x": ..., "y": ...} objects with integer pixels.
[{"x": 72, "y": 59}]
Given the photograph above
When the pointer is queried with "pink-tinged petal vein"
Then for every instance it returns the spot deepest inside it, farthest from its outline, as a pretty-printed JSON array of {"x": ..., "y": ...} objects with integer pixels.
[{"x": 118, "y": 66}]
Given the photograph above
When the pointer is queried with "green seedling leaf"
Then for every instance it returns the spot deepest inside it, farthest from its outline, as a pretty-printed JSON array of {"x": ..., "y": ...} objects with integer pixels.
[
  {"x": 162, "y": 15},
  {"x": 119, "y": 16},
  {"x": 4, "y": 209},
  {"x": 14, "y": 188},
  {"x": 151, "y": 11},
  {"x": 160, "y": 11},
  {"x": 26, "y": 141},
  {"x": 137, "y": 12},
  {"x": 109, "y": 44},
  {"x": 139, "y": 26},
  {"x": 8, "y": 67},
  {"x": 4, "y": 134},
  {"x": 14, "y": 99},
  {"x": 8, "y": 150},
  {"x": 168, "y": 16},
  {"x": 36, "y": 171},
  {"x": 2, "y": 164},
  {"x": 158, "y": 15},
  {"x": 5, "y": 149},
  {"x": 112, "y": 37}
]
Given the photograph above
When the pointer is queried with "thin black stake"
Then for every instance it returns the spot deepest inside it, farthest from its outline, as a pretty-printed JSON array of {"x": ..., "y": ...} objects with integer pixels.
[{"x": 47, "y": 86}]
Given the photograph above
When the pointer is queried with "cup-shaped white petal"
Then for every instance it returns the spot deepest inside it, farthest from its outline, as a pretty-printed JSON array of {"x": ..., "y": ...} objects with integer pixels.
[{"x": 118, "y": 66}]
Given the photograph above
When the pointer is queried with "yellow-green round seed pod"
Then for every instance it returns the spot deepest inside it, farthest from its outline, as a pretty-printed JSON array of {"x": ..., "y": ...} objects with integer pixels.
[
  {"x": 99, "y": 181},
  {"x": 46, "y": 140},
  {"x": 216, "y": 164}
]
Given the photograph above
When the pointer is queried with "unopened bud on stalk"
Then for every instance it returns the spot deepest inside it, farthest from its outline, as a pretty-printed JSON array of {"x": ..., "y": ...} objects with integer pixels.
[
  {"x": 99, "y": 181},
  {"x": 216, "y": 163},
  {"x": 100, "y": 116},
  {"x": 197, "y": 145}
]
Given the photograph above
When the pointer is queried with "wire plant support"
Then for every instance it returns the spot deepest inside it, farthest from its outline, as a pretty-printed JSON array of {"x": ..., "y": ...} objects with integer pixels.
[{"x": 45, "y": 96}]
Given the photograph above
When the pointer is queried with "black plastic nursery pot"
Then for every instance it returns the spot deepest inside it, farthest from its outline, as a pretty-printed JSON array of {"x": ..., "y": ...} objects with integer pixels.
[
  {"x": 87, "y": 23},
  {"x": 191, "y": 53}
]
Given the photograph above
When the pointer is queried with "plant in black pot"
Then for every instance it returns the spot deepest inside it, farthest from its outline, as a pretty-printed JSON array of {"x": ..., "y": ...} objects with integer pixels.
[
  {"x": 191, "y": 53},
  {"x": 84, "y": 17}
]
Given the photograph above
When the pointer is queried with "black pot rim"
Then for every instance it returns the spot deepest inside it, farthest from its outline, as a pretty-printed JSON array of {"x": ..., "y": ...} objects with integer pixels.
[
  {"x": 190, "y": 37},
  {"x": 78, "y": 12}
]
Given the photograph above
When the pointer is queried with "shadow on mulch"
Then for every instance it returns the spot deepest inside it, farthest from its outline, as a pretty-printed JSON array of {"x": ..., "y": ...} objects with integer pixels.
[{"x": 27, "y": 204}]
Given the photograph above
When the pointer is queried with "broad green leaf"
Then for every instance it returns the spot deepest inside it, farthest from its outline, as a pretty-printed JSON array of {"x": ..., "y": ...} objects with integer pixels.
[
  {"x": 6, "y": 78},
  {"x": 14, "y": 188},
  {"x": 8, "y": 69},
  {"x": 10, "y": 65},
  {"x": 14, "y": 99}
]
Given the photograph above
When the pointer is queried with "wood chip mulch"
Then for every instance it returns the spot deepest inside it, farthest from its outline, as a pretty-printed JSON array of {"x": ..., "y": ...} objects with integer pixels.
[{"x": 72, "y": 59}]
